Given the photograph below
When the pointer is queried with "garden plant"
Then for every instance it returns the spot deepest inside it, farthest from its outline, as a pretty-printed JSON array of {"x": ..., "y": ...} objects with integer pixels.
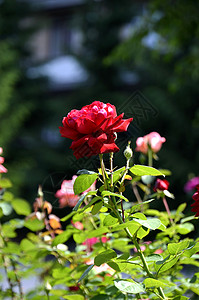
[{"x": 113, "y": 244}]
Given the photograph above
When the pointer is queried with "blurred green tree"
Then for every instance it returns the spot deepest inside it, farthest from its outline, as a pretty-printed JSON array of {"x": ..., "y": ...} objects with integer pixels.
[
  {"x": 17, "y": 91},
  {"x": 163, "y": 50}
]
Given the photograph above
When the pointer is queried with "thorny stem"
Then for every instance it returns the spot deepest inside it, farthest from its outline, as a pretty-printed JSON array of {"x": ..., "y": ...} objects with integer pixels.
[
  {"x": 122, "y": 208},
  {"x": 18, "y": 280},
  {"x": 9, "y": 281},
  {"x": 139, "y": 251},
  {"x": 122, "y": 180},
  {"x": 103, "y": 171},
  {"x": 47, "y": 294},
  {"x": 15, "y": 272},
  {"x": 167, "y": 209},
  {"x": 150, "y": 157},
  {"x": 137, "y": 195},
  {"x": 111, "y": 168}
]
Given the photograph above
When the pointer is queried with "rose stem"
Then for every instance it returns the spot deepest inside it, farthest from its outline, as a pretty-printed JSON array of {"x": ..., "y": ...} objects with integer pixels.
[
  {"x": 139, "y": 251},
  {"x": 103, "y": 171},
  {"x": 137, "y": 195},
  {"x": 14, "y": 269},
  {"x": 150, "y": 157},
  {"x": 111, "y": 169},
  {"x": 9, "y": 281},
  {"x": 167, "y": 209}
]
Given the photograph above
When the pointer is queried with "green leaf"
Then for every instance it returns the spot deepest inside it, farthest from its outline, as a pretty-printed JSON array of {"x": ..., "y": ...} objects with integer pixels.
[
  {"x": 181, "y": 208},
  {"x": 60, "y": 272},
  {"x": 191, "y": 250},
  {"x": 74, "y": 297},
  {"x": 165, "y": 172},
  {"x": 118, "y": 174},
  {"x": 84, "y": 171},
  {"x": 82, "y": 199},
  {"x": 83, "y": 182},
  {"x": 109, "y": 220},
  {"x": 140, "y": 170},
  {"x": 142, "y": 232},
  {"x": 8, "y": 230},
  {"x": 175, "y": 248},
  {"x": 96, "y": 208},
  {"x": 185, "y": 228},
  {"x": 167, "y": 265},
  {"x": 86, "y": 272},
  {"x": 151, "y": 223},
  {"x": 58, "y": 292},
  {"x": 62, "y": 237},
  {"x": 6, "y": 208},
  {"x": 97, "y": 232},
  {"x": 68, "y": 216},
  {"x": 186, "y": 219},
  {"x": 27, "y": 245},
  {"x": 79, "y": 238},
  {"x": 153, "y": 283},
  {"x": 129, "y": 286},
  {"x": 100, "y": 297},
  {"x": 104, "y": 256},
  {"x": 153, "y": 257},
  {"x": 136, "y": 206},
  {"x": 34, "y": 224},
  {"x": 114, "y": 266},
  {"x": 21, "y": 207},
  {"x": 5, "y": 183},
  {"x": 107, "y": 193},
  {"x": 1, "y": 212},
  {"x": 8, "y": 196},
  {"x": 181, "y": 298}
]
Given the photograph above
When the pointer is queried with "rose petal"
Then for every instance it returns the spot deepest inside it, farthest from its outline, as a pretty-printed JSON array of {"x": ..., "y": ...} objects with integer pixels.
[
  {"x": 106, "y": 148},
  {"x": 85, "y": 126},
  {"x": 3, "y": 169},
  {"x": 123, "y": 126},
  {"x": 67, "y": 131}
]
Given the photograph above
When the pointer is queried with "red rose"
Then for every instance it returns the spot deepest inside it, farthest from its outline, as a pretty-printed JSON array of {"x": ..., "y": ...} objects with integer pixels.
[
  {"x": 93, "y": 129},
  {"x": 195, "y": 205},
  {"x": 161, "y": 185}
]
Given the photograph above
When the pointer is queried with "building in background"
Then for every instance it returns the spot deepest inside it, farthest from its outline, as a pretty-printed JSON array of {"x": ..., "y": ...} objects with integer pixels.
[{"x": 57, "y": 42}]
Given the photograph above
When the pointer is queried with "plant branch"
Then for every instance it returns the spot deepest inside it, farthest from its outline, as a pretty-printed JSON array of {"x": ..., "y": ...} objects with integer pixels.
[
  {"x": 103, "y": 171},
  {"x": 167, "y": 209}
]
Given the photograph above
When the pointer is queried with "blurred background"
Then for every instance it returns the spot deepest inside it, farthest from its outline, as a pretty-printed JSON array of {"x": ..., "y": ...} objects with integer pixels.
[{"x": 57, "y": 55}]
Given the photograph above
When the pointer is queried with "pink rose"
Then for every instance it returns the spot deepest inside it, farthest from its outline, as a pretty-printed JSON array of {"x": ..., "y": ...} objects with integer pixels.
[
  {"x": 153, "y": 139},
  {"x": 191, "y": 184},
  {"x": 2, "y": 168},
  {"x": 92, "y": 241},
  {"x": 93, "y": 129},
  {"x": 78, "y": 225},
  {"x": 66, "y": 193}
]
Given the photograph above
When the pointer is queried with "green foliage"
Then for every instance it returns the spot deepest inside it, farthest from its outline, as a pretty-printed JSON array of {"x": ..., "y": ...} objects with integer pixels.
[
  {"x": 144, "y": 170},
  {"x": 83, "y": 182}
]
